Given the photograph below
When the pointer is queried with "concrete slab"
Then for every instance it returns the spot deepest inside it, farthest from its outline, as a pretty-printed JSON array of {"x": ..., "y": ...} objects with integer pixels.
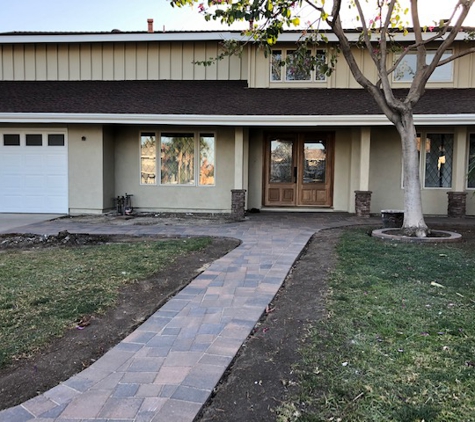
[{"x": 10, "y": 222}]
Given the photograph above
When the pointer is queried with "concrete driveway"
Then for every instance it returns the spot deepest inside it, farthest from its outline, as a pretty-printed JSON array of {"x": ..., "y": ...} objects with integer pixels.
[{"x": 9, "y": 222}]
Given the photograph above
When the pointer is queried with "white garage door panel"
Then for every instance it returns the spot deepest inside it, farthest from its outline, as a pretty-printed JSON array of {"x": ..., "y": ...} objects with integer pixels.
[
  {"x": 10, "y": 163},
  {"x": 33, "y": 179}
]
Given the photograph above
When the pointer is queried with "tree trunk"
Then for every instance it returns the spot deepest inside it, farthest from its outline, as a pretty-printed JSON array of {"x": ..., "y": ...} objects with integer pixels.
[{"x": 414, "y": 224}]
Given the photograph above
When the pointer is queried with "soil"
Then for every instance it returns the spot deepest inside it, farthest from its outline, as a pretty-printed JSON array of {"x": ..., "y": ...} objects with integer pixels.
[{"x": 261, "y": 376}]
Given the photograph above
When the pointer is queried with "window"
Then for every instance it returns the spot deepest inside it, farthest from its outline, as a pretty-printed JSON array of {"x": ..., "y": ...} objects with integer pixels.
[
  {"x": 25, "y": 138},
  {"x": 148, "y": 159},
  {"x": 435, "y": 152},
  {"x": 11, "y": 140},
  {"x": 177, "y": 153},
  {"x": 471, "y": 163},
  {"x": 35, "y": 140},
  {"x": 55, "y": 140},
  {"x": 207, "y": 161},
  {"x": 287, "y": 66},
  {"x": 186, "y": 159},
  {"x": 438, "y": 160},
  {"x": 407, "y": 68}
]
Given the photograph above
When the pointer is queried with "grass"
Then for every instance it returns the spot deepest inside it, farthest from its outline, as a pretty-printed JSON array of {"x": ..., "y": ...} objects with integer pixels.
[
  {"x": 398, "y": 343},
  {"x": 44, "y": 291}
]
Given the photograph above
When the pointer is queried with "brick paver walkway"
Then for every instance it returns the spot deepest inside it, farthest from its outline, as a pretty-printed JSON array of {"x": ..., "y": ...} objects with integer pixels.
[{"x": 167, "y": 369}]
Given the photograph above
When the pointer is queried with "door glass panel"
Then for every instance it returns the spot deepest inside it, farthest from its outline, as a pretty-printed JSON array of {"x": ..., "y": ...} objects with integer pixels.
[
  {"x": 315, "y": 157},
  {"x": 281, "y": 162}
]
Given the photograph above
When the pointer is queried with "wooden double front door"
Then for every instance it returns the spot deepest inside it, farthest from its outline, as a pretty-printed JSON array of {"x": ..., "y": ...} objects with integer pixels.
[{"x": 299, "y": 169}]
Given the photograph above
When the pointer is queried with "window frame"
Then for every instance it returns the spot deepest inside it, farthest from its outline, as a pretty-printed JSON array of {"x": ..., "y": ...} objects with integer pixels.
[
  {"x": 284, "y": 53},
  {"x": 197, "y": 134},
  {"x": 424, "y": 136},
  {"x": 470, "y": 135},
  {"x": 22, "y": 133},
  {"x": 430, "y": 53}
]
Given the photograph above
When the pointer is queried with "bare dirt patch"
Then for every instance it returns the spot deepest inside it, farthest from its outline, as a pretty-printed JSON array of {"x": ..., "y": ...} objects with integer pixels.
[{"x": 150, "y": 219}]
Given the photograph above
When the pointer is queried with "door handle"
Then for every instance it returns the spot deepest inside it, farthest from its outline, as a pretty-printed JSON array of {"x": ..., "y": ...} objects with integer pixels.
[{"x": 295, "y": 174}]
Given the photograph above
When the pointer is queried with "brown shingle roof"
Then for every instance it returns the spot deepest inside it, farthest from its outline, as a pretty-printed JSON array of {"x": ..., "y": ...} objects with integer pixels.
[{"x": 207, "y": 98}]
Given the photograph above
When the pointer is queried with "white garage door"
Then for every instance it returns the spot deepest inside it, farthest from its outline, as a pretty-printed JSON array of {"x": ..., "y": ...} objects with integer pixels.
[{"x": 33, "y": 171}]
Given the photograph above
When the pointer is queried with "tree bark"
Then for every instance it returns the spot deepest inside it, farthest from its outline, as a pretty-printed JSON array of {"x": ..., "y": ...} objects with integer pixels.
[{"x": 414, "y": 224}]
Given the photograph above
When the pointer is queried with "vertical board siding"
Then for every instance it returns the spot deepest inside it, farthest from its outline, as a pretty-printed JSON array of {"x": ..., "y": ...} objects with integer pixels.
[
  {"x": 51, "y": 63},
  {"x": 130, "y": 61},
  {"x": 212, "y": 69},
  {"x": 199, "y": 56},
  {"x": 153, "y": 60},
  {"x": 18, "y": 62},
  {"x": 176, "y": 59},
  {"x": 97, "y": 62},
  {"x": 41, "y": 62},
  {"x": 30, "y": 62},
  {"x": 74, "y": 63},
  {"x": 188, "y": 59},
  {"x": 63, "y": 62},
  {"x": 85, "y": 62},
  {"x": 108, "y": 62},
  {"x": 118, "y": 61},
  {"x": 142, "y": 61},
  {"x": 164, "y": 61}
]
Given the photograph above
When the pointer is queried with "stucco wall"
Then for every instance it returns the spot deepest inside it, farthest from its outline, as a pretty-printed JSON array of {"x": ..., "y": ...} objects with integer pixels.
[
  {"x": 174, "y": 198},
  {"x": 342, "y": 182},
  {"x": 86, "y": 191},
  {"x": 108, "y": 160},
  {"x": 256, "y": 165},
  {"x": 386, "y": 176},
  {"x": 385, "y": 170}
]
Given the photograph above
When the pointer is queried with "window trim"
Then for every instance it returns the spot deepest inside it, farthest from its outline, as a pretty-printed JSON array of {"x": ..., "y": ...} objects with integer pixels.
[
  {"x": 196, "y": 158},
  {"x": 423, "y": 135},
  {"x": 44, "y": 132},
  {"x": 431, "y": 80},
  {"x": 284, "y": 53},
  {"x": 469, "y": 135}
]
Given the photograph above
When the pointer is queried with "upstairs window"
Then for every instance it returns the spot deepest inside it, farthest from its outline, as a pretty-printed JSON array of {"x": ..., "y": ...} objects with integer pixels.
[
  {"x": 286, "y": 66},
  {"x": 406, "y": 70}
]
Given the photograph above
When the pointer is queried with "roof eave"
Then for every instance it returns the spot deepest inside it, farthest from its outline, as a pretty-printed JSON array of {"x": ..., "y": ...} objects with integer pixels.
[
  {"x": 104, "y": 37},
  {"x": 234, "y": 120}
]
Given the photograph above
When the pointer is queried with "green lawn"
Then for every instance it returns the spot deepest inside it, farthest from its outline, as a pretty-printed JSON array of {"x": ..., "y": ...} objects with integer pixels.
[
  {"x": 44, "y": 291},
  {"x": 399, "y": 340}
]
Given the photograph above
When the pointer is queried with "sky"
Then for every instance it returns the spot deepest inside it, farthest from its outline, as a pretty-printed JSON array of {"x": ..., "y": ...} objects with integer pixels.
[{"x": 132, "y": 15}]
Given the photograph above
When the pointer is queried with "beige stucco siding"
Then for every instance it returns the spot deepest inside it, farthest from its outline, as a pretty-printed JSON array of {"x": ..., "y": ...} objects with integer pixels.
[
  {"x": 174, "y": 198},
  {"x": 86, "y": 184},
  {"x": 256, "y": 166},
  {"x": 385, "y": 170},
  {"x": 117, "y": 61},
  {"x": 108, "y": 160},
  {"x": 386, "y": 176},
  {"x": 342, "y": 171}
]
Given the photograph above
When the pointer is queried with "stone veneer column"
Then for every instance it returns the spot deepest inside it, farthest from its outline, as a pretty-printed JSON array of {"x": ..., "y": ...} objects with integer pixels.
[
  {"x": 457, "y": 204},
  {"x": 362, "y": 202},
  {"x": 238, "y": 204}
]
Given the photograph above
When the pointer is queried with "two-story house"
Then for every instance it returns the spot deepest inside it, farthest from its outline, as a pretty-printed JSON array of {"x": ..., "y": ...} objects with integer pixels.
[{"x": 85, "y": 117}]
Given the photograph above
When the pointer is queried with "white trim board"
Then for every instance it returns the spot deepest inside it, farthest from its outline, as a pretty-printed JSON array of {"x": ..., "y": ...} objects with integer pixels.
[{"x": 231, "y": 120}]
